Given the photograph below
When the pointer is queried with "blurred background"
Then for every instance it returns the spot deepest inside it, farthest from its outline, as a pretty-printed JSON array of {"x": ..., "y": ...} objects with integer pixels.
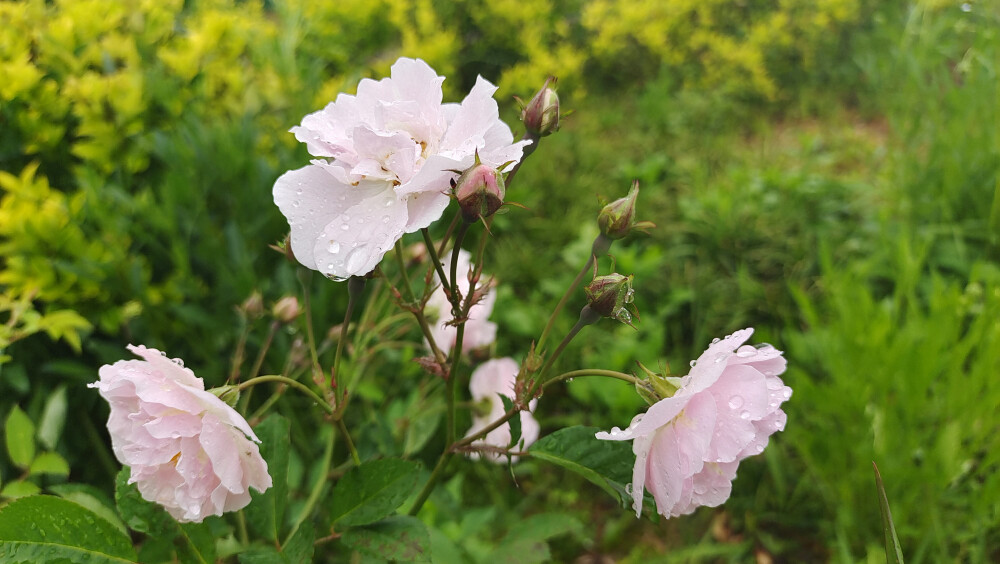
[{"x": 823, "y": 170}]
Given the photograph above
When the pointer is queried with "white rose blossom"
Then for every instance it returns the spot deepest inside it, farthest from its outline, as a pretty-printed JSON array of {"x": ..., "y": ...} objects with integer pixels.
[{"x": 385, "y": 161}]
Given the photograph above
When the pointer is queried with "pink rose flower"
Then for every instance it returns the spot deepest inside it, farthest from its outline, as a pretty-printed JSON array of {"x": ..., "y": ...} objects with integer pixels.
[
  {"x": 479, "y": 330},
  {"x": 187, "y": 450},
  {"x": 688, "y": 446},
  {"x": 386, "y": 157},
  {"x": 490, "y": 379}
]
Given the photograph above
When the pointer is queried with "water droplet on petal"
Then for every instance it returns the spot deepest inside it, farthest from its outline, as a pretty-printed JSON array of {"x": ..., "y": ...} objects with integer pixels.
[
  {"x": 735, "y": 402},
  {"x": 720, "y": 357},
  {"x": 745, "y": 415},
  {"x": 178, "y": 362},
  {"x": 334, "y": 247},
  {"x": 355, "y": 259},
  {"x": 628, "y": 488},
  {"x": 773, "y": 383},
  {"x": 715, "y": 340},
  {"x": 787, "y": 392},
  {"x": 693, "y": 363},
  {"x": 388, "y": 203},
  {"x": 385, "y": 219},
  {"x": 345, "y": 227},
  {"x": 746, "y": 351}
]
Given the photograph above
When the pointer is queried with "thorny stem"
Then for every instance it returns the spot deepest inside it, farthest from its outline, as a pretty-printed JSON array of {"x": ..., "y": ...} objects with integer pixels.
[
  {"x": 429, "y": 243},
  {"x": 304, "y": 277},
  {"x": 453, "y": 380},
  {"x": 442, "y": 463},
  {"x": 292, "y": 383},
  {"x": 234, "y": 372},
  {"x": 455, "y": 297},
  {"x": 403, "y": 272},
  {"x": 457, "y": 350},
  {"x": 355, "y": 286},
  {"x": 599, "y": 247},
  {"x": 417, "y": 313},
  {"x": 587, "y": 317},
  {"x": 447, "y": 234},
  {"x": 486, "y": 430},
  {"x": 263, "y": 349}
]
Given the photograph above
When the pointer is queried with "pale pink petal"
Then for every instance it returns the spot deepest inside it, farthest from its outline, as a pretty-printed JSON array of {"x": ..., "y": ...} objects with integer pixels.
[
  {"x": 661, "y": 413},
  {"x": 713, "y": 485},
  {"x": 475, "y": 117},
  {"x": 641, "y": 448},
  {"x": 180, "y": 441},
  {"x": 664, "y": 470},
  {"x": 311, "y": 197},
  {"x": 354, "y": 242},
  {"x": 416, "y": 80}
]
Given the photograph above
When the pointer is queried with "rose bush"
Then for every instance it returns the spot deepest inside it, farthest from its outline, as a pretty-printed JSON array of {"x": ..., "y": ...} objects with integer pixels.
[
  {"x": 385, "y": 160},
  {"x": 688, "y": 446},
  {"x": 187, "y": 450}
]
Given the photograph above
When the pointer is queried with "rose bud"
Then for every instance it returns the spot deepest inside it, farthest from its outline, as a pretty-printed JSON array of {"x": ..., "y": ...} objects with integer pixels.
[
  {"x": 541, "y": 114},
  {"x": 480, "y": 192},
  {"x": 286, "y": 309},
  {"x": 617, "y": 219},
  {"x": 611, "y": 296}
]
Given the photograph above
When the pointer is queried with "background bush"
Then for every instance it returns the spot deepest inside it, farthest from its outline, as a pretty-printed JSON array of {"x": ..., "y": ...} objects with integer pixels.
[{"x": 824, "y": 171}]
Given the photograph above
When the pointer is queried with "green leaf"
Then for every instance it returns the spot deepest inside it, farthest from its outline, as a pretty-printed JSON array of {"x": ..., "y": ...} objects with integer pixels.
[
  {"x": 607, "y": 464},
  {"x": 20, "y": 435},
  {"x": 53, "y": 418},
  {"x": 525, "y": 542},
  {"x": 514, "y": 422},
  {"x": 422, "y": 425},
  {"x": 19, "y": 488},
  {"x": 298, "y": 549},
  {"x": 265, "y": 514},
  {"x": 93, "y": 499},
  {"x": 893, "y": 552},
  {"x": 47, "y": 528},
  {"x": 401, "y": 537},
  {"x": 371, "y": 491},
  {"x": 140, "y": 515},
  {"x": 49, "y": 463}
]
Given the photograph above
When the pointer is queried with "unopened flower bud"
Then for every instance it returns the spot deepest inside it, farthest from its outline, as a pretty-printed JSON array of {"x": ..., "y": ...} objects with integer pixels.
[
  {"x": 480, "y": 192},
  {"x": 617, "y": 219},
  {"x": 253, "y": 306},
  {"x": 657, "y": 386},
  {"x": 286, "y": 309},
  {"x": 229, "y": 394},
  {"x": 541, "y": 114},
  {"x": 611, "y": 296}
]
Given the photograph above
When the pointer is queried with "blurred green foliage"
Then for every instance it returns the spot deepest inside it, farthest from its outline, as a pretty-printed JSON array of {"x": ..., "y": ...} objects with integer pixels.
[{"x": 824, "y": 171}]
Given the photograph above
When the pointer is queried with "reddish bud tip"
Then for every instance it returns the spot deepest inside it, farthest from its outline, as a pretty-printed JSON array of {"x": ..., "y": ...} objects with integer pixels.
[
  {"x": 541, "y": 114},
  {"x": 480, "y": 192}
]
